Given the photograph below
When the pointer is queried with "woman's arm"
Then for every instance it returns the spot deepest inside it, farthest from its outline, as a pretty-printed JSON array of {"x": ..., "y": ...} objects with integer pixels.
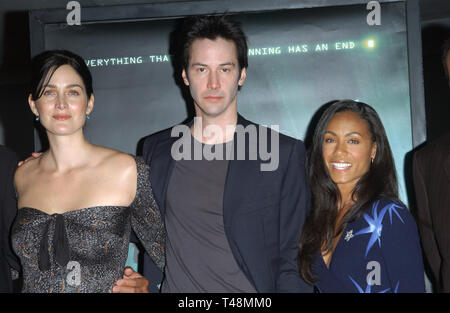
[
  {"x": 146, "y": 218},
  {"x": 401, "y": 250}
]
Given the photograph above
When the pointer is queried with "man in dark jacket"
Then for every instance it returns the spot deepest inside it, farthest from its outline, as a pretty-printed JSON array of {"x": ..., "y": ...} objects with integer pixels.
[
  {"x": 233, "y": 216},
  {"x": 431, "y": 170},
  {"x": 8, "y": 210}
]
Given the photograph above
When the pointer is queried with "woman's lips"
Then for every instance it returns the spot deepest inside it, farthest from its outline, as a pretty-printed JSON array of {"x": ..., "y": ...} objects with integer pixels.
[{"x": 61, "y": 117}]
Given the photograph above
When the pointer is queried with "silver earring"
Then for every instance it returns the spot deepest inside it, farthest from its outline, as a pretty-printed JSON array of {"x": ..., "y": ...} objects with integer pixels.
[
  {"x": 88, "y": 117},
  {"x": 37, "y": 118}
]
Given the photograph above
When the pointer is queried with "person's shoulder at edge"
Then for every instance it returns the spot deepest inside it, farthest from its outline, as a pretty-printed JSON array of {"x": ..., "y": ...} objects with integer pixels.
[
  {"x": 436, "y": 145},
  {"x": 8, "y": 153},
  {"x": 8, "y": 157}
]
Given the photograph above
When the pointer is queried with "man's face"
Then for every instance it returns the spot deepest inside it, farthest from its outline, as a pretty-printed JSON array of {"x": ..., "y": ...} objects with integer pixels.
[{"x": 213, "y": 76}]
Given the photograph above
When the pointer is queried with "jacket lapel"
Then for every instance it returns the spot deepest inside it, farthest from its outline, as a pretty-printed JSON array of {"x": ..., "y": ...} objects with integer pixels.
[
  {"x": 236, "y": 181},
  {"x": 235, "y": 184},
  {"x": 162, "y": 165}
]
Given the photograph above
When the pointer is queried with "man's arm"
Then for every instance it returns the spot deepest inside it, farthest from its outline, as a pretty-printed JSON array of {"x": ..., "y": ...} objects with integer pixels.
[
  {"x": 294, "y": 207},
  {"x": 131, "y": 282}
]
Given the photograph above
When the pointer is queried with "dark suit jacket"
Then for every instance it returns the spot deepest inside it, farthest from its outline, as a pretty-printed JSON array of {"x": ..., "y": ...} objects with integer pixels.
[
  {"x": 263, "y": 211},
  {"x": 431, "y": 170},
  {"x": 8, "y": 210}
]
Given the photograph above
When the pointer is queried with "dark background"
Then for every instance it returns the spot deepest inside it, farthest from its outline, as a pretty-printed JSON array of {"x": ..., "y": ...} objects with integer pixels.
[{"x": 15, "y": 60}]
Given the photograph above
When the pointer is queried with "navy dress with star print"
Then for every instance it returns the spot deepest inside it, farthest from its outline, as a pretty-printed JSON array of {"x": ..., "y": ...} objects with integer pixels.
[{"x": 377, "y": 253}]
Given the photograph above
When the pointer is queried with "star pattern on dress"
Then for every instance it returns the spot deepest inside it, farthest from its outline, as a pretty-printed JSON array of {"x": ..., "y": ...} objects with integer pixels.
[
  {"x": 392, "y": 208},
  {"x": 369, "y": 287},
  {"x": 375, "y": 222},
  {"x": 349, "y": 235}
]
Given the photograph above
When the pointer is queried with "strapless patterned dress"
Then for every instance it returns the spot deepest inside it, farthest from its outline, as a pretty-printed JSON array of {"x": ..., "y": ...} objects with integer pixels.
[{"x": 85, "y": 250}]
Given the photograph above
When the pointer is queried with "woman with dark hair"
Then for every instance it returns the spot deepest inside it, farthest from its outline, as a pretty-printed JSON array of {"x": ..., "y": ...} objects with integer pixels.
[
  {"x": 359, "y": 237},
  {"x": 78, "y": 201}
]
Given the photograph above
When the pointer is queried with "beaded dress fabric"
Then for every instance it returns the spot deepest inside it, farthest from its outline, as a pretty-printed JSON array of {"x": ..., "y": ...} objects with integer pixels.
[{"x": 85, "y": 250}]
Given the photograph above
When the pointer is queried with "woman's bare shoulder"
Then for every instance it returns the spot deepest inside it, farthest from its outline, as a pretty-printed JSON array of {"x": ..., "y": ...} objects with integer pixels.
[
  {"x": 116, "y": 161},
  {"x": 24, "y": 171}
]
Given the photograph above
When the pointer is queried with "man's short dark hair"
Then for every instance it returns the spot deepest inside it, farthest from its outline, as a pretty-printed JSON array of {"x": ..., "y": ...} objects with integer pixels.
[
  {"x": 445, "y": 51},
  {"x": 212, "y": 27}
]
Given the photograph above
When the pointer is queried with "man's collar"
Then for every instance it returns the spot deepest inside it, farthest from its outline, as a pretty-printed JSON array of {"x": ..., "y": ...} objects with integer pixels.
[{"x": 240, "y": 121}]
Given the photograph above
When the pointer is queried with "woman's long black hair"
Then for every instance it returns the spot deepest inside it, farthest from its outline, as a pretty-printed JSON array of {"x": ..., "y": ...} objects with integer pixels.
[{"x": 380, "y": 181}]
